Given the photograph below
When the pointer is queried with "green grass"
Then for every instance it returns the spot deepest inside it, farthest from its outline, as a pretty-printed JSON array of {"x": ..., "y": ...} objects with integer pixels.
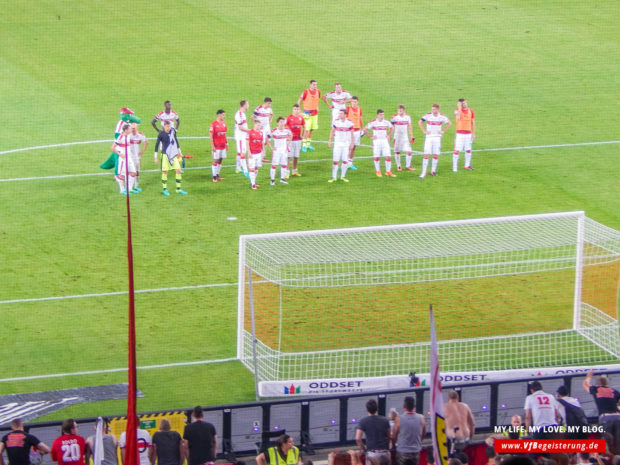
[{"x": 535, "y": 74}]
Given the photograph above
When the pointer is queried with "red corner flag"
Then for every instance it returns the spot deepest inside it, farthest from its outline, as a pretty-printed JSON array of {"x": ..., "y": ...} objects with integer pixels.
[
  {"x": 438, "y": 422},
  {"x": 131, "y": 433}
]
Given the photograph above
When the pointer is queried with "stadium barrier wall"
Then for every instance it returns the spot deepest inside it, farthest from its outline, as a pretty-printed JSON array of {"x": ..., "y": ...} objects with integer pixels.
[{"x": 331, "y": 421}]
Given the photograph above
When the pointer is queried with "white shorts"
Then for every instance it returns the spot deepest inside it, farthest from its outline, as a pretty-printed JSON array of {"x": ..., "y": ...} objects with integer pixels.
[
  {"x": 219, "y": 154},
  {"x": 462, "y": 143},
  {"x": 279, "y": 157},
  {"x": 255, "y": 161},
  {"x": 135, "y": 160},
  {"x": 341, "y": 153},
  {"x": 357, "y": 137},
  {"x": 432, "y": 145},
  {"x": 401, "y": 144},
  {"x": 241, "y": 146},
  {"x": 380, "y": 147},
  {"x": 130, "y": 166},
  {"x": 294, "y": 148}
]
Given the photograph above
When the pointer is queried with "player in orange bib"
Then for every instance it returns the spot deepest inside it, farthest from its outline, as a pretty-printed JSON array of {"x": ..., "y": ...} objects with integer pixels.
[
  {"x": 465, "y": 134},
  {"x": 354, "y": 114},
  {"x": 310, "y": 99}
]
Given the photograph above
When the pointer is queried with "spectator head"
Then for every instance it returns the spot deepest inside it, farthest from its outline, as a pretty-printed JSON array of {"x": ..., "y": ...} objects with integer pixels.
[
  {"x": 562, "y": 391},
  {"x": 197, "y": 413},
  {"x": 454, "y": 461},
  {"x": 583, "y": 457},
  {"x": 284, "y": 443},
  {"x": 602, "y": 381},
  {"x": 516, "y": 420},
  {"x": 535, "y": 386},
  {"x": 462, "y": 456},
  {"x": 409, "y": 403},
  {"x": 164, "y": 425},
  {"x": 517, "y": 460},
  {"x": 17, "y": 424},
  {"x": 372, "y": 407},
  {"x": 453, "y": 395},
  {"x": 69, "y": 426}
]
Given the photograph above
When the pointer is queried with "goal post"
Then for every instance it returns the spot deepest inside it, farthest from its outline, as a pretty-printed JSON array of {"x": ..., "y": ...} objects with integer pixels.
[{"x": 508, "y": 292}]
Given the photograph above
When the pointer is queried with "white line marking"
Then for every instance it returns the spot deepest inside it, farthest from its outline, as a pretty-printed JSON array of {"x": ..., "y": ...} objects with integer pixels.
[
  {"x": 64, "y": 176},
  {"x": 65, "y": 144},
  {"x": 106, "y": 294},
  {"x": 117, "y": 370}
]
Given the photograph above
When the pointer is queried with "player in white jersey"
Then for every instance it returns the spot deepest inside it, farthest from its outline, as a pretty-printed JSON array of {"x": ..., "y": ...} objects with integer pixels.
[
  {"x": 342, "y": 135},
  {"x": 136, "y": 138},
  {"x": 382, "y": 130},
  {"x": 403, "y": 133},
  {"x": 281, "y": 137},
  {"x": 122, "y": 146},
  {"x": 435, "y": 122},
  {"x": 264, "y": 115},
  {"x": 241, "y": 135},
  {"x": 339, "y": 100},
  {"x": 167, "y": 115}
]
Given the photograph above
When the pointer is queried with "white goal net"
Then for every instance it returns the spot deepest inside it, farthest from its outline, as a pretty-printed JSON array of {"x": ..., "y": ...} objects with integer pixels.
[{"x": 509, "y": 292}]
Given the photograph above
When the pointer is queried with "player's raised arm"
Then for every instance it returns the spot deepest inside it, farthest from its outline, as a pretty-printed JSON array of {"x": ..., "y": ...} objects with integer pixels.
[
  {"x": 421, "y": 124},
  {"x": 326, "y": 102},
  {"x": 459, "y": 108}
]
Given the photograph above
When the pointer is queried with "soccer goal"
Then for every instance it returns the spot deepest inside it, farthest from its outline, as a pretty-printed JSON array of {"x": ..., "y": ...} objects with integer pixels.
[{"x": 509, "y": 292}]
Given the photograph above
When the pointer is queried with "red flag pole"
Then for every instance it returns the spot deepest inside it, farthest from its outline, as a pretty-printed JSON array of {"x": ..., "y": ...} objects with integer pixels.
[{"x": 131, "y": 432}]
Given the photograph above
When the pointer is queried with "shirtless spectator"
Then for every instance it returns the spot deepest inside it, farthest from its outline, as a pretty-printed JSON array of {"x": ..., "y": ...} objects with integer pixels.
[{"x": 460, "y": 426}]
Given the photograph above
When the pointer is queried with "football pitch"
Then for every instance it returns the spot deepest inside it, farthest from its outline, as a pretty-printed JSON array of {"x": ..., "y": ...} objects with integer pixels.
[{"x": 540, "y": 76}]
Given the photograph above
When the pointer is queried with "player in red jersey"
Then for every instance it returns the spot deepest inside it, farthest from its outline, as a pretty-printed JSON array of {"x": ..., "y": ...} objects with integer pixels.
[
  {"x": 70, "y": 449},
  {"x": 295, "y": 122},
  {"x": 219, "y": 143},
  {"x": 256, "y": 142}
]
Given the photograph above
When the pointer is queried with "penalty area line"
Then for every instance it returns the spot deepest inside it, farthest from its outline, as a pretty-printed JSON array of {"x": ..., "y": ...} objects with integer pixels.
[
  {"x": 119, "y": 370},
  {"x": 319, "y": 160},
  {"x": 107, "y": 294}
]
